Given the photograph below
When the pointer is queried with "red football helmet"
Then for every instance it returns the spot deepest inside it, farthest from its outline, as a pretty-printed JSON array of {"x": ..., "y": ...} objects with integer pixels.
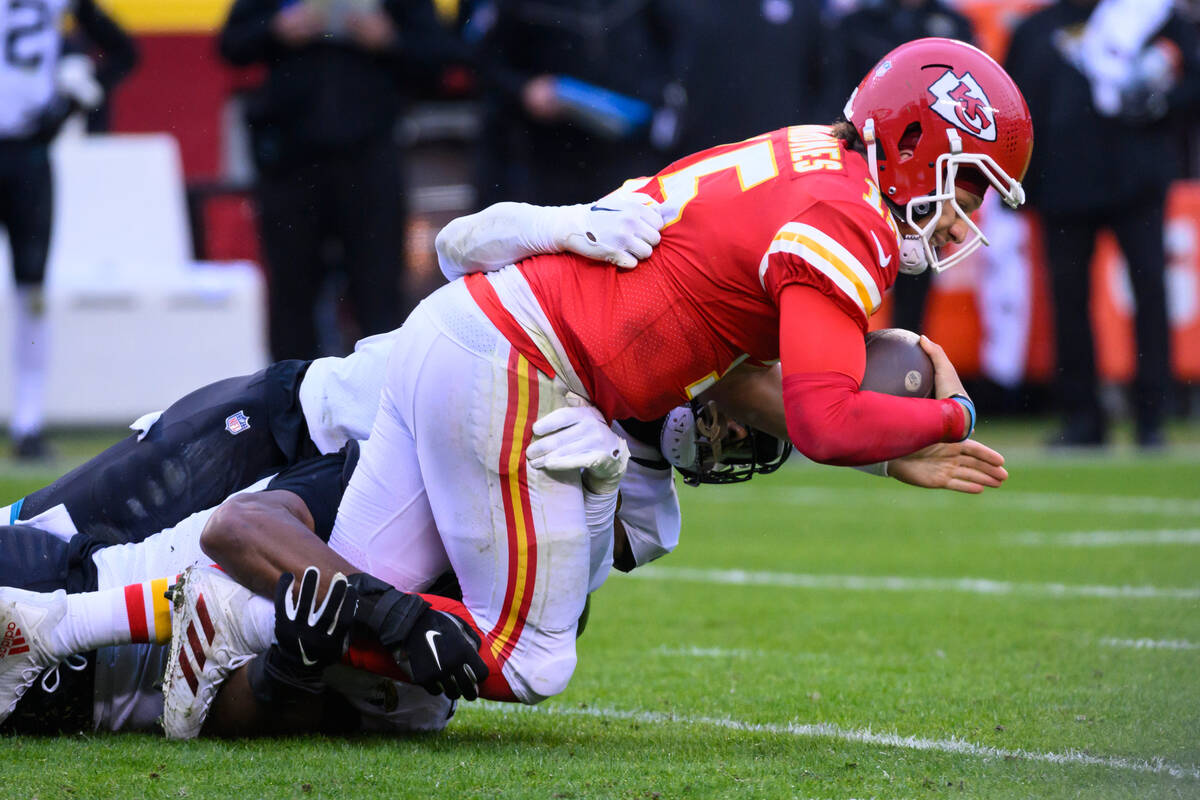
[{"x": 933, "y": 111}]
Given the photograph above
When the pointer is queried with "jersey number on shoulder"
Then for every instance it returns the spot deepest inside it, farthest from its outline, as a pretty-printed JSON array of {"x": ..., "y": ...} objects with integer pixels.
[
  {"x": 34, "y": 18},
  {"x": 754, "y": 163}
]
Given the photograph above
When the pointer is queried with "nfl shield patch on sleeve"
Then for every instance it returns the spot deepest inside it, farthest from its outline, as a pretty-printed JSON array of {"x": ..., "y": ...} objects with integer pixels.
[{"x": 236, "y": 423}]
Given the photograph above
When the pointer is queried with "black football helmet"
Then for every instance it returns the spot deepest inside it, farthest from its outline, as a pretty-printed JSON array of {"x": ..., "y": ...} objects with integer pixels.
[{"x": 706, "y": 447}]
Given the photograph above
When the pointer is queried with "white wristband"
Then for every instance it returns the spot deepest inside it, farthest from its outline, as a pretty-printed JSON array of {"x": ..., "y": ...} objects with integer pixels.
[{"x": 880, "y": 468}]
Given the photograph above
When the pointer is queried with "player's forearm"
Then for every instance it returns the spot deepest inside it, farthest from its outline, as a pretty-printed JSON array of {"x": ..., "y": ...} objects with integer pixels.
[
  {"x": 649, "y": 517},
  {"x": 830, "y": 421},
  {"x": 257, "y": 537},
  {"x": 499, "y": 235},
  {"x": 120, "y": 52}
]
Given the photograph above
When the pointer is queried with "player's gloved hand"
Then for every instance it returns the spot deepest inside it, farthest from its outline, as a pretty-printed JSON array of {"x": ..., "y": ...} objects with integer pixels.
[
  {"x": 576, "y": 437},
  {"x": 387, "y": 613},
  {"x": 443, "y": 656},
  {"x": 404, "y": 624},
  {"x": 310, "y": 636},
  {"x": 75, "y": 78},
  {"x": 619, "y": 230}
]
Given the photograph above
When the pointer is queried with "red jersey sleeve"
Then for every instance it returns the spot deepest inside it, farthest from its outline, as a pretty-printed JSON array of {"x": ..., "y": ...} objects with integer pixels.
[
  {"x": 829, "y": 419},
  {"x": 845, "y": 252}
]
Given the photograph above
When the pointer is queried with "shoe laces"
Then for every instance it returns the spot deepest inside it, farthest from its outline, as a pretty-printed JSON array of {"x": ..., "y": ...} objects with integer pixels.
[
  {"x": 30, "y": 673},
  {"x": 75, "y": 662}
]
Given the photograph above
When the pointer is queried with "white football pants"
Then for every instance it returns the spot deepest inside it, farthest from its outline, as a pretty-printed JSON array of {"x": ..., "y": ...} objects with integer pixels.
[{"x": 447, "y": 454}]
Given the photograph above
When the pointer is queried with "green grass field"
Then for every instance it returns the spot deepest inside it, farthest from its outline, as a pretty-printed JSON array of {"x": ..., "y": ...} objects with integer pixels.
[{"x": 818, "y": 634}]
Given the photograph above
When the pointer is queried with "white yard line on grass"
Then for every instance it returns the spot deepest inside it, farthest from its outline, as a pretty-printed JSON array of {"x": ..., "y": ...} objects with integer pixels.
[
  {"x": 1001, "y": 498},
  {"x": 1115, "y": 538},
  {"x": 723, "y": 652},
  {"x": 1120, "y": 456},
  {"x": 709, "y": 652},
  {"x": 1156, "y": 766},
  {"x": 892, "y": 583},
  {"x": 1151, "y": 644}
]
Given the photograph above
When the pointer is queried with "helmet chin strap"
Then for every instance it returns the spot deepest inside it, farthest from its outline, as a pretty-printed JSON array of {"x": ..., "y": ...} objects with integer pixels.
[
  {"x": 868, "y": 135},
  {"x": 912, "y": 250}
]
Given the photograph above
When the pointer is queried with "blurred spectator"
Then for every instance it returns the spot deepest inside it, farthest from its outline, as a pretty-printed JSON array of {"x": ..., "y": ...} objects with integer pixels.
[
  {"x": 1105, "y": 84},
  {"x": 579, "y": 94},
  {"x": 1004, "y": 297},
  {"x": 1189, "y": 10},
  {"x": 322, "y": 135},
  {"x": 760, "y": 69},
  {"x": 41, "y": 85},
  {"x": 858, "y": 41}
]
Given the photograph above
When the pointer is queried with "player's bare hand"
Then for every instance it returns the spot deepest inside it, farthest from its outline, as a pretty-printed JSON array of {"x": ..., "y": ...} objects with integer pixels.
[
  {"x": 945, "y": 378},
  {"x": 372, "y": 30},
  {"x": 621, "y": 230},
  {"x": 968, "y": 466},
  {"x": 541, "y": 99},
  {"x": 297, "y": 24}
]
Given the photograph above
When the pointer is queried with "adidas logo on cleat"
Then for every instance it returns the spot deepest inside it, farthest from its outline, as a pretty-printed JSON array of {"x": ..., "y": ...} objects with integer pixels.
[
  {"x": 196, "y": 646},
  {"x": 13, "y": 642}
]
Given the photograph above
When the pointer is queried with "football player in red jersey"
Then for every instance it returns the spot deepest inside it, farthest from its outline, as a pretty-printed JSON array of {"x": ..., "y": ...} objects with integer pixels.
[{"x": 776, "y": 248}]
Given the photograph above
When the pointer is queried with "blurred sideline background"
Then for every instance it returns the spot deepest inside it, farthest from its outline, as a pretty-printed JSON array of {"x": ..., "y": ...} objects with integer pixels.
[{"x": 155, "y": 279}]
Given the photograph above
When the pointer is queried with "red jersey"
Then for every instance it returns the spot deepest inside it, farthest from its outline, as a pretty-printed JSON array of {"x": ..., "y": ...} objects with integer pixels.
[{"x": 744, "y": 220}]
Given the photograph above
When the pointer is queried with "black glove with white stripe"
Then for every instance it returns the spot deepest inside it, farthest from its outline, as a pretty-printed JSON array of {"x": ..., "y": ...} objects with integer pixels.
[{"x": 309, "y": 636}]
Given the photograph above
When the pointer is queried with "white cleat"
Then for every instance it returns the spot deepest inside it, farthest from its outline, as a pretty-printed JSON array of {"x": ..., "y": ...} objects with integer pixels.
[
  {"x": 26, "y": 622},
  {"x": 207, "y": 644}
]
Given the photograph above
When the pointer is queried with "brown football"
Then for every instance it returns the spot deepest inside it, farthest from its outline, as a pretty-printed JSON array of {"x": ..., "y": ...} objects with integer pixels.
[{"x": 897, "y": 365}]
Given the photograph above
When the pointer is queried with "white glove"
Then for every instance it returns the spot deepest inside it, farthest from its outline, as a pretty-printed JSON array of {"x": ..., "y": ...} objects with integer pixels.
[
  {"x": 75, "y": 77},
  {"x": 621, "y": 230},
  {"x": 578, "y": 438}
]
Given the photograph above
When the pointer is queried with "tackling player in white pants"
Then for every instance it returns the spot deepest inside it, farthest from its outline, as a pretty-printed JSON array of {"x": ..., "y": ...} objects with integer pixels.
[{"x": 445, "y": 474}]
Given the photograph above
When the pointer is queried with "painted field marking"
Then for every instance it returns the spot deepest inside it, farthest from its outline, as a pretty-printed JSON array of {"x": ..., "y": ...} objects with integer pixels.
[
  {"x": 725, "y": 653},
  {"x": 1151, "y": 644},
  {"x": 1003, "y": 499},
  {"x": 1155, "y": 766},
  {"x": 707, "y": 652},
  {"x": 892, "y": 583},
  {"x": 1118, "y": 457},
  {"x": 1116, "y": 538}
]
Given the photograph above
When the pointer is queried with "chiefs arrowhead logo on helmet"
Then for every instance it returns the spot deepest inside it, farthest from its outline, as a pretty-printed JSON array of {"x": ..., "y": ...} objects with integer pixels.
[{"x": 961, "y": 102}]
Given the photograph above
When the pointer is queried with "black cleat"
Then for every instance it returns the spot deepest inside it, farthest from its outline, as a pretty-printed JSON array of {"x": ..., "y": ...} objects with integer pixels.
[{"x": 33, "y": 447}]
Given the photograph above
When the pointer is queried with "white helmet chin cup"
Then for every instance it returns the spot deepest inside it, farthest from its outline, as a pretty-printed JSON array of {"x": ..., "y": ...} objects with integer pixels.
[
  {"x": 912, "y": 255},
  {"x": 678, "y": 438}
]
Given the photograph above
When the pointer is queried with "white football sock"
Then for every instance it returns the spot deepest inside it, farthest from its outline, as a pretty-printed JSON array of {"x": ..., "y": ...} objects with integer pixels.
[
  {"x": 30, "y": 348},
  {"x": 258, "y": 623},
  {"x": 139, "y": 612}
]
